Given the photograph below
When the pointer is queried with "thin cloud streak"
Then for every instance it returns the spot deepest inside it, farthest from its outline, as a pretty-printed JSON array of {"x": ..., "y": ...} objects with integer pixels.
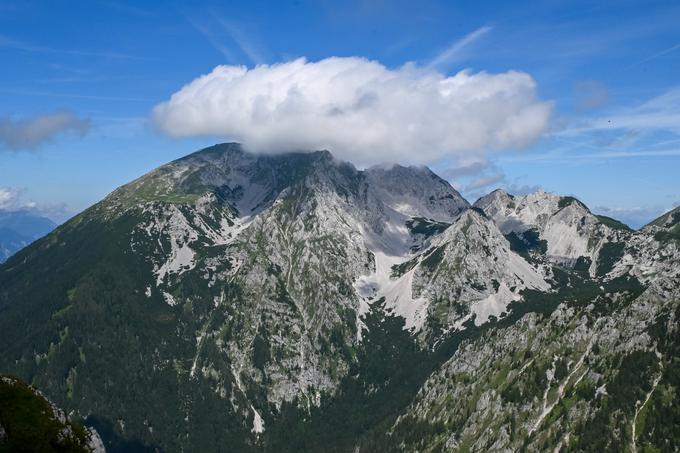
[
  {"x": 75, "y": 96},
  {"x": 26, "y": 47},
  {"x": 219, "y": 30},
  {"x": 243, "y": 42},
  {"x": 656, "y": 55},
  {"x": 212, "y": 39},
  {"x": 661, "y": 112},
  {"x": 453, "y": 51},
  {"x": 590, "y": 156}
]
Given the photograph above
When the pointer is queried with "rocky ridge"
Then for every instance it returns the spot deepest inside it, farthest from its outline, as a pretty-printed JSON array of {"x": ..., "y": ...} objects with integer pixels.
[{"x": 278, "y": 293}]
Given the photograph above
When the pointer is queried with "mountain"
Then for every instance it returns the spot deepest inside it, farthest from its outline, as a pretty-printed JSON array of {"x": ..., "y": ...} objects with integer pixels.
[
  {"x": 20, "y": 228},
  {"x": 667, "y": 226},
  {"x": 563, "y": 226},
  {"x": 292, "y": 302}
]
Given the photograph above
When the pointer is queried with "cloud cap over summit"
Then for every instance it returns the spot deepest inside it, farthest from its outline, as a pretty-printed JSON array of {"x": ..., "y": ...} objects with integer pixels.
[{"x": 360, "y": 109}]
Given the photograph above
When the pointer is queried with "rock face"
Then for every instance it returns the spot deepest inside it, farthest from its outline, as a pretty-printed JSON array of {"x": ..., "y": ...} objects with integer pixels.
[
  {"x": 30, "y": 422},
  {"x": 471, "y": 273},
  {"x": 295, "y": 303},
  {"x": 567, "y": 226}
]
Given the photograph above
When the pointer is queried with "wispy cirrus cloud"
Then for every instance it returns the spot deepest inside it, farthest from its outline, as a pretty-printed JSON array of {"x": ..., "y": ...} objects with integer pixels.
[
  {"x": 646, "y": 130},
  {"x": 656, "y": 55},
  {"x": 661, "y": 112},
  {"x": 244, "y": 42},
  {"x": 28, "y": 47},
  {"x": 569, "y": 155},
  {"x": 52, "y": 94},
  {"x": 229, "y": 38},
  {"x": 212, "y": 38},
  {"x": 454, "y": 51},
  {"x": 30, "y": 132}
]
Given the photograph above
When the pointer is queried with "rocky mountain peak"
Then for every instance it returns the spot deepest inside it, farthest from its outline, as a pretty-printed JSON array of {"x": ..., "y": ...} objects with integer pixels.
[
  {"x": 669, "y": 219},
  {"x": 569, "y": 228},
  {"x": 416, "y": 192},
  {"x": 244, "y": 299}
]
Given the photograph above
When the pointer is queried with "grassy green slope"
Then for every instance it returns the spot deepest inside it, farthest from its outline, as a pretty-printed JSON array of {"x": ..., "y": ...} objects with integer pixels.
[{"x": 76, "y": 323}]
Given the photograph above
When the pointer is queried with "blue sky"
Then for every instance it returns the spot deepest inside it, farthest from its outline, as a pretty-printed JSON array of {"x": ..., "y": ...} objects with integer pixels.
[{"x": 80, "y": 81}]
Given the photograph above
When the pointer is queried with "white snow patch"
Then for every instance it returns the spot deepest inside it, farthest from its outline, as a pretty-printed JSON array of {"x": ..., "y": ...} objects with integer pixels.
[
  {"x": 564, "y": 240},
  {"x": 390, "y": 248},
  {"x": 231, "y": 232},
  {"x": 199, "y": 338},
  {"x": 181, "y": 259},
  {"x": 169, "y": 299},
  {"x": 364, "y": 307},
  {"x": 493, "y": 305},
  {"x": 258, "y": 423},
  {"x": 601, "y": 390},
  {"x": 398, "y": 292},
  {"x": 229, "y": 229},
  {"x": 529, "y": 276}
]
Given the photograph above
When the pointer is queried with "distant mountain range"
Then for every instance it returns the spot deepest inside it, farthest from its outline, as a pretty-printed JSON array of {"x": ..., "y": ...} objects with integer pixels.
[
  {"x": 236, "y": 302},
  {"x": 20, "y": 228}
]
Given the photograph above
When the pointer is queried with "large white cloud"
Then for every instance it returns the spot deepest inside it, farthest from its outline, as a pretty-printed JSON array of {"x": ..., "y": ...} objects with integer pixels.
[{"x": 359, "y": 109}]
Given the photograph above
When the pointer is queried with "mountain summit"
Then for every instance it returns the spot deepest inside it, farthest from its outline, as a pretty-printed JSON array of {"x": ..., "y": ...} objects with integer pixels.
[{"x": 295, "y": 303}]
